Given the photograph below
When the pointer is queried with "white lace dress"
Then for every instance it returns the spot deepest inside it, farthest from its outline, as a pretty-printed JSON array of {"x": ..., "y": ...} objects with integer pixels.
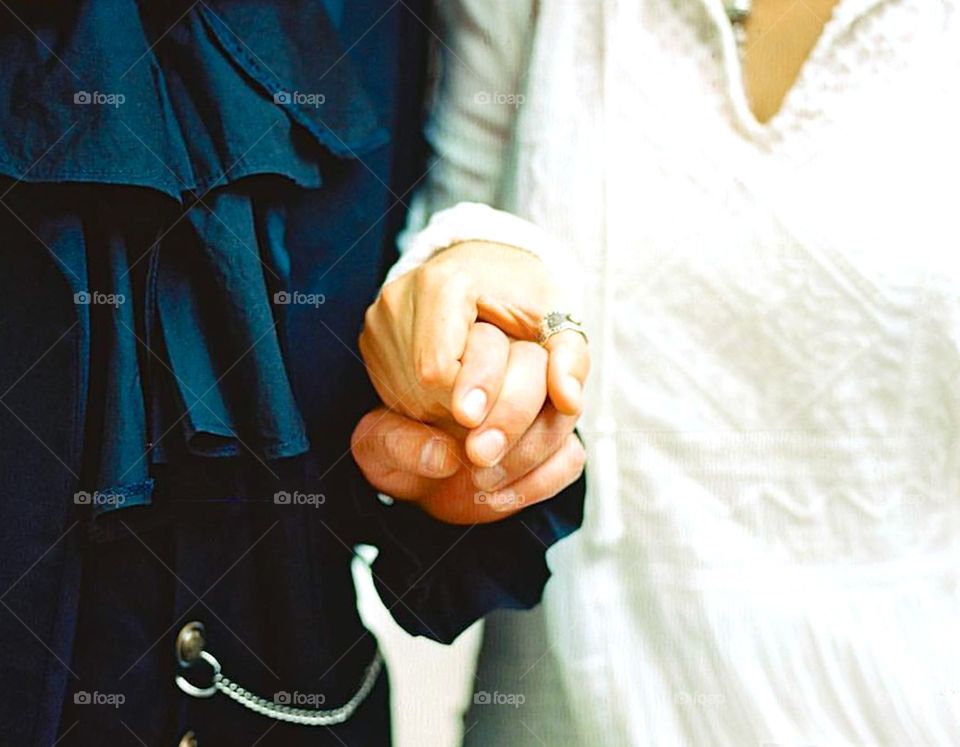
[{"x": 772, "y": 547}]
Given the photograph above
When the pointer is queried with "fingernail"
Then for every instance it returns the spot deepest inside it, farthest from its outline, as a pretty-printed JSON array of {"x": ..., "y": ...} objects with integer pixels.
[
  {"x": 490, "y": 445},
  {"x": 433, "y": 457},
  {"x": 489, "y": 478},
  {"x": 474, "y": 404}
]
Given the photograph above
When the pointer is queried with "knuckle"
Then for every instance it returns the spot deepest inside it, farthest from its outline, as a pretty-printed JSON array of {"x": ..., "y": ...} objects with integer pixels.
[
  {"x": 431, "y": 373},
  {"x": 436, "y": 274},
  {"x": 391, "y": 300},
  {"x": 399, "y": 447},
  {"x": 529, "y": 454},
  {"x": 442, "y": 279},
  {"x": 514, "y": 416},
  {"x": 537, "y": 448}
]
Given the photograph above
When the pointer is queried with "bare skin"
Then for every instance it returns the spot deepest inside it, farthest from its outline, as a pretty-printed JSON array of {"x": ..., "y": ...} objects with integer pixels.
[
  {"x": 501, "y": 409},
  {"x": 780, "y": 35}
]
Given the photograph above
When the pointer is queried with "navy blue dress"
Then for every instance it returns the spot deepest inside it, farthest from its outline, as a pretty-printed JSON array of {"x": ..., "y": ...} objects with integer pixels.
[{"x": 197, "y": 202}]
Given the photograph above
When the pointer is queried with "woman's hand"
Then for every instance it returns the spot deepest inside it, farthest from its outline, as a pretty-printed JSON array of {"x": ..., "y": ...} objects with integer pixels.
[{"x": 419, "y": 331}]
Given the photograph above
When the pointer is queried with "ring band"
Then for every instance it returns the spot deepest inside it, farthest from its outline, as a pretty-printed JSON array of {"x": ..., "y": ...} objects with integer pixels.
[{"x": 556, "y": 322}]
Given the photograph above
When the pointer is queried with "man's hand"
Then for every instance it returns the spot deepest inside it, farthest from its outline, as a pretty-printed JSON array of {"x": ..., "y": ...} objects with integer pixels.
[{"x": 408, "y": 460}]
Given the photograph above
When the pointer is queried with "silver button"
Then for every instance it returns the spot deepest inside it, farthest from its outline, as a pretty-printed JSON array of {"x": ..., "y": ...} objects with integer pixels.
[
  {"x": 190, "y": 642},
  {"x": 188, "y": 740}
]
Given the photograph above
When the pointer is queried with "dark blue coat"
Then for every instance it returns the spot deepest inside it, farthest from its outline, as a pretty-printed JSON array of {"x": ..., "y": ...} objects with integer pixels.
[{"x": 160, "y": 199}]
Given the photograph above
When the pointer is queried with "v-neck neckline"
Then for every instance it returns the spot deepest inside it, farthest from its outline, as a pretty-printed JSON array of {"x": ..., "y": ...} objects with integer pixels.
[{"x": 844, "y": 14}]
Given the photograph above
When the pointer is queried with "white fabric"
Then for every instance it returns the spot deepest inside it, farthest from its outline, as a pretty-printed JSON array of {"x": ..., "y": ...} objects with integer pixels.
[
  {"x": 472, "y": 221},
  {"x": 771, "y": 553}
]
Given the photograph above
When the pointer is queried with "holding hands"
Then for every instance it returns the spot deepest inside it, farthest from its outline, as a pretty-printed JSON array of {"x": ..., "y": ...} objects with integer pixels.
[{"x": 479, "y": 418}]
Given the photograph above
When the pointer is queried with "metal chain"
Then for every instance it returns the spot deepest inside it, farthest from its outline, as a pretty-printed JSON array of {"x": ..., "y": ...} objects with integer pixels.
[{"x": 280, "y": 712}]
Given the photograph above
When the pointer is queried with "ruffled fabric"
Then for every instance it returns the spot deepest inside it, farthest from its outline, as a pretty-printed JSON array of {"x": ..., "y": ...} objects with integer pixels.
[
  {"x": 179, "y": 98},
  {"x": 215, "y": 107},
  {"x": 185, "y": 351}
]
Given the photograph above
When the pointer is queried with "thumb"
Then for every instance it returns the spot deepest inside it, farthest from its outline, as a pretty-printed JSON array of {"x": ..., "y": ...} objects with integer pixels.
[{"x": 401, "y": 457}]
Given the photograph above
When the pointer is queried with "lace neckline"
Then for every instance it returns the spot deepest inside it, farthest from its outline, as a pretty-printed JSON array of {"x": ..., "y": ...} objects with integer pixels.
[{"x": 845, "y": 14}]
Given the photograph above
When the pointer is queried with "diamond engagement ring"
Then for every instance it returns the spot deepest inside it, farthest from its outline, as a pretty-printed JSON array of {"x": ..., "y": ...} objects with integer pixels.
[{"x": 556, "y": 322}]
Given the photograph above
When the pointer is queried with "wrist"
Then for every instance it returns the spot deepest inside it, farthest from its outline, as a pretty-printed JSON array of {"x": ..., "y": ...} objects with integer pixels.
[{"x": 475, "y": 222}]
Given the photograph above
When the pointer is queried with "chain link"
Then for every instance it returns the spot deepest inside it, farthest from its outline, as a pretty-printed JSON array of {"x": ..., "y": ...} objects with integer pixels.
[{"x": 280, "y": 712}]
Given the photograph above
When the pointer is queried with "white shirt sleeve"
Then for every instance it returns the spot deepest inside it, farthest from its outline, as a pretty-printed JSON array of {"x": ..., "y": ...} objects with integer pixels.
[{"x": 483, "y": 56}]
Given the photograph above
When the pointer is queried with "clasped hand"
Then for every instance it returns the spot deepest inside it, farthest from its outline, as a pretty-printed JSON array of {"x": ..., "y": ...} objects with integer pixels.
[{"x": 478, "y": 418}]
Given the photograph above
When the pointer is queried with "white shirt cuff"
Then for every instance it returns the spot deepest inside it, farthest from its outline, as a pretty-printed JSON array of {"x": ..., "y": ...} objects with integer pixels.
[{"x": 473, "y": 221}]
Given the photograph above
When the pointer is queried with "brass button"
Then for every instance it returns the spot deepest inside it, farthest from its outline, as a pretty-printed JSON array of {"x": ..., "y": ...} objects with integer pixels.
[
  {"x": 190, "y": 642},
  {"x": 188, "y": 740}
]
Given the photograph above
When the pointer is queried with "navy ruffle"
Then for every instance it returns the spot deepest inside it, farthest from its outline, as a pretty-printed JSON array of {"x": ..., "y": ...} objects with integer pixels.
[
  {"x": 179, "y": 98},
  {"x": 221, "y": 106}
]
